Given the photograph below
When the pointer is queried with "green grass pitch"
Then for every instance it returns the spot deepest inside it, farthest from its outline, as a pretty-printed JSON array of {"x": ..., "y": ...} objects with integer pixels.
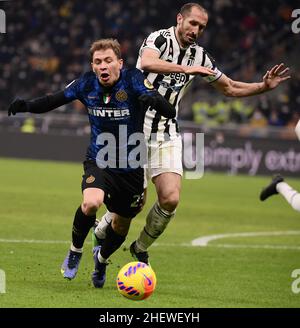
[{"x": 38, "y": 200}]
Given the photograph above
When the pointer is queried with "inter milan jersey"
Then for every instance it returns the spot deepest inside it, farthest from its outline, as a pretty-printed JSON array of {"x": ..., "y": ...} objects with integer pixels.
[{"x": 115, "y": 114}]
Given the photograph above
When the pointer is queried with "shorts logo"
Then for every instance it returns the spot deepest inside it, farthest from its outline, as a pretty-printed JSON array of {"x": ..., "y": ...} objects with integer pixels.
[
  {"x": 121, "y": 96},
  {"x": 90, "y": 179},
  {"x": 148, "y": 84}
]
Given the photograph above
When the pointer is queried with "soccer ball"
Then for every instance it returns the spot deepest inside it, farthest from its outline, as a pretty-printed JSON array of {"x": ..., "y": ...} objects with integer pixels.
[{"x": 136, "y": 281}]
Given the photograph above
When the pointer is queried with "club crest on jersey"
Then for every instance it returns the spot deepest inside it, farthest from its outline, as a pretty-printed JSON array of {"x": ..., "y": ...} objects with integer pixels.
[
  {"x": 121, "y": 96},
  {"x": 90, "y": 179},
  {"x": 106, "y": 98},
  {"x": 148, "y": 84}
]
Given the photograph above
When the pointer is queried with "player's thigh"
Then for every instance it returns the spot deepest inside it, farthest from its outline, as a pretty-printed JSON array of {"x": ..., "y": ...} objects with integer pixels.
[
  {"x": 126, "y": 194},
  {"x": 164, "y": 157},
  {"x": 93, "y": 187}
]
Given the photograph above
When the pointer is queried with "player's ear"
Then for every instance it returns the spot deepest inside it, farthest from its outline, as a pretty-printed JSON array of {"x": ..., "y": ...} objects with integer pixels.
[
  {"x": 121, "y": 63},
  {"x": 93, "y": 67},
  {"x": 179, "y": 18}
]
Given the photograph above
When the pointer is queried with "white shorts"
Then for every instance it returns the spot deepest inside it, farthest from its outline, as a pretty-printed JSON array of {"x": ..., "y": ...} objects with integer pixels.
[{"x": 163, "y": 157}]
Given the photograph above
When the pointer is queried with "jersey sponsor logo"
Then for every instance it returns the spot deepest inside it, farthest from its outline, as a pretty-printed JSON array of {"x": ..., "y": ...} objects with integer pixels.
[
  {"x": 178, "y": 77},
  {"x": 109, "y": 112},
  {"x": 90, "y": 179},
  {"x": 148, "y": 84},
  {"x": 121, "y": 96}
]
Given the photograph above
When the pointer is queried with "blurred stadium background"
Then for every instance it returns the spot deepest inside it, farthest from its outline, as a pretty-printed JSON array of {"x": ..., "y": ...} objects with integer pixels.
[{"x": 45, "y": 47}]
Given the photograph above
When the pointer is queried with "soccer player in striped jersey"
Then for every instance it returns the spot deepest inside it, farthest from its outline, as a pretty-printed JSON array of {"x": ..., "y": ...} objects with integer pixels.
[
  {"x": 115, "y": 99},
  {"x": 170, "y": 59}
]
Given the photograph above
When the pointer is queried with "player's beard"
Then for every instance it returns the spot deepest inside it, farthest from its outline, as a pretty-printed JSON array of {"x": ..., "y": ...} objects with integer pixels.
[{"x": 184, "y": 40}]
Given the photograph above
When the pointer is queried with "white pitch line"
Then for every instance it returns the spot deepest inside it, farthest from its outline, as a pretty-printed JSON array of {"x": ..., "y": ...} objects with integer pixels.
[
  {"x": 282, "y": 247},
  {"x": 203, "y": 241}
]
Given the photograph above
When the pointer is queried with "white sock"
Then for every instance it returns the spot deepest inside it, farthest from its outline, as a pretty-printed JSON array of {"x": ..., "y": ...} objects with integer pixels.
[
  {"x": 101, "y": 259},
  {"x": 74, "y": 249},
  {"x": 291, "y": 195},
  {"x": 156, "y": 222},
  {"x": 105, "y": 221}
]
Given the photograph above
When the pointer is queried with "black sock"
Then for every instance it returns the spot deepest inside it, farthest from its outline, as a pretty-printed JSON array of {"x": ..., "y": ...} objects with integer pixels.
[
  {"x": 81, "y": 227},
  {"x": 111, "y": 243}
]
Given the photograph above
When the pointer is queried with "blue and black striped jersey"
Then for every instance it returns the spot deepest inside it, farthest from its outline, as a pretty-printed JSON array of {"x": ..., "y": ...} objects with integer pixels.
[{"x": 111, "y": 110}]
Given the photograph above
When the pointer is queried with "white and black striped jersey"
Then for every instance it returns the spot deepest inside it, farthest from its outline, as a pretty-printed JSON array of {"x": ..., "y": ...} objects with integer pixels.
[{"x": 173, "y": 85}]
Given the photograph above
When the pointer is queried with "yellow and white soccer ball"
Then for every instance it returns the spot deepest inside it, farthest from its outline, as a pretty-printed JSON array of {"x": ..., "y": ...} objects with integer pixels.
[{"x": 136, "y": 281}]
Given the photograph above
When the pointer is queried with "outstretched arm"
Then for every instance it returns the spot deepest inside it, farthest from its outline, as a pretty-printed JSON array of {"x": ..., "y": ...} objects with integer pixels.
[
  {"x": 38, "y": 105},
  {"x": 151, "y": 62},
  {"x": 273, "y": 77}
]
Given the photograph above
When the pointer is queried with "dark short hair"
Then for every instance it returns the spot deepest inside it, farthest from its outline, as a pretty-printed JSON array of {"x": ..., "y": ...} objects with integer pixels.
[
  {"x": 186, "y": 8},
  {"x": 105, "y": 44}
]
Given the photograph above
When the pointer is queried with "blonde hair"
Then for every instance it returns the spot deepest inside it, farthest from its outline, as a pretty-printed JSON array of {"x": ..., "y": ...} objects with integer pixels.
[{"x": 105, "y": 44}]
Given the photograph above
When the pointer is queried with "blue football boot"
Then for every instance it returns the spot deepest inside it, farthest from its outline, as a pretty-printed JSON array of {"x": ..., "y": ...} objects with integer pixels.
[
  {"x": 98, "y": 275},
  {"x": 70, "y": 265}
]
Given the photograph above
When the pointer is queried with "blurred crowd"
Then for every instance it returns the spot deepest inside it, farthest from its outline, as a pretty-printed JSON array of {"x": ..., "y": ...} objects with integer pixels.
[{"x": 46, "y": 46}]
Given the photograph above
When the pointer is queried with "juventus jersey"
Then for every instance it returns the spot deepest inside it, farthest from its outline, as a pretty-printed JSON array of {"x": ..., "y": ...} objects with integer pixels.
[{"x": 172, "y": 85}]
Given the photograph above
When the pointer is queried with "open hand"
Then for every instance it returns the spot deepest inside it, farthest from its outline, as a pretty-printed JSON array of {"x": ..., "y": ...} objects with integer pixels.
[{"x": 275, "y": 76}]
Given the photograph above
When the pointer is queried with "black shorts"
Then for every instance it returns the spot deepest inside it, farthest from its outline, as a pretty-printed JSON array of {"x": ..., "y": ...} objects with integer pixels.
[{"x": 124, "y": 191}]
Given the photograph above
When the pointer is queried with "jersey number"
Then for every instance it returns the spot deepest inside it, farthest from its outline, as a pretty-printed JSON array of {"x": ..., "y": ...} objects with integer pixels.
[{"x": 138, "y": 199}]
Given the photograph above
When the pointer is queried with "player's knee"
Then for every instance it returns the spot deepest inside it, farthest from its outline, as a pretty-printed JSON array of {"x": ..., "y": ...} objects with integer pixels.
[
  {"x": 90, "y": 207},
  {"x": 169, "y": 201}
]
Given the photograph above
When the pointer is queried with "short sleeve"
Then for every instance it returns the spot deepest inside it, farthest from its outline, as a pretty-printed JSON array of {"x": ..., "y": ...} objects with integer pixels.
[
  {"x": 156, "y": 41},
  {"x": 209, "y": 62}
]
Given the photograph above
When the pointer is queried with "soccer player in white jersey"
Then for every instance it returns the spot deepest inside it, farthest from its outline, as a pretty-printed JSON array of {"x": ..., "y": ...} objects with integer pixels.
[
  {"x": 278, "y": 185},
  {"x": 170, "y": 59}
]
